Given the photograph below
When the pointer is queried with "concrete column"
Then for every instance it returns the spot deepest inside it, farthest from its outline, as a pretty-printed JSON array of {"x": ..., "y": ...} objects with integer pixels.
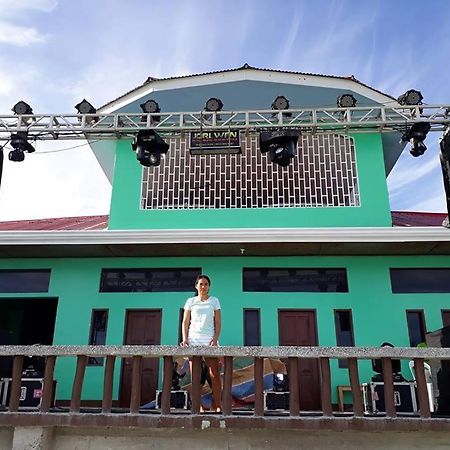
[{"x": 32, "y": 438}]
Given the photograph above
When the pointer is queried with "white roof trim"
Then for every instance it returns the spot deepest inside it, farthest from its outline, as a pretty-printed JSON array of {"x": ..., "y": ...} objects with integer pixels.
[
  {"x": 226, "y": 235},
  {"x": 246, "y": 74}
]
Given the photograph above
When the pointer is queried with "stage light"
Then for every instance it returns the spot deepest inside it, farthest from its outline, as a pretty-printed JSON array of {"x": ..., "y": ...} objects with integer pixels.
[
  {"x": 280, "y": 103},
  {"x": 20, "y": 145},
  {"x": 149, "y": 146},
  {"x": 214, "y": 104},
  {"x": 416, "y": 135},
  {"x": 22, "y": 108},
  {"x": 346, "y": 101},
  {"x": 281, "y": 145},
  {"x": 150, "y": 107},
  {"x": 411, "y": 97},
  {"x": 84, "y": 107}
]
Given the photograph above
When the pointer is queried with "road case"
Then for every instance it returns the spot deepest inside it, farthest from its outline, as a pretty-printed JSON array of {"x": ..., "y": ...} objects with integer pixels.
[
  {"x": 31, "y": 391},
  {"x": 404, "y": 398},
  {"x": 178, "y": 399},
  {"x": 276, "y": 401}
]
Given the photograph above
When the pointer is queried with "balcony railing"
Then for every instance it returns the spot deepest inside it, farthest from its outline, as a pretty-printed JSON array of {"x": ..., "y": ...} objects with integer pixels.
[{"x": 167, "y": 353}]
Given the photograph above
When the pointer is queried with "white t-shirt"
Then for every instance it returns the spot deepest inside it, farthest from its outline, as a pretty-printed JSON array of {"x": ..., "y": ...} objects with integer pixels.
[{"x": 202, "y": 319}]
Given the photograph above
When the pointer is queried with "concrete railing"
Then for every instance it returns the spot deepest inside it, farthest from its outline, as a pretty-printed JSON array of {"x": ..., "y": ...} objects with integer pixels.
[{"x": 290, "y": 354}]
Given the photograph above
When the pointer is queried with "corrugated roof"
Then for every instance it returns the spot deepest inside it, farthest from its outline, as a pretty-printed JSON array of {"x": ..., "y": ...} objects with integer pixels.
[
  {"x": 57, "y": 224},
  {"x": 244, "y": 67},
  {"x": 399, "y": 219},
  {"x": 417, "y": 219}
]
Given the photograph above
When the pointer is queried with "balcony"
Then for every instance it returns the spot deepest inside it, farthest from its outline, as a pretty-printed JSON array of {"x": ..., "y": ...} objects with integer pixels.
[{"x": 76, "y": 413}]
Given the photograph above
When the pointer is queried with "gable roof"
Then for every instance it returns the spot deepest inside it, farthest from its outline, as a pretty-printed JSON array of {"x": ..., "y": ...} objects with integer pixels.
[{"x": 245, "y": 71}]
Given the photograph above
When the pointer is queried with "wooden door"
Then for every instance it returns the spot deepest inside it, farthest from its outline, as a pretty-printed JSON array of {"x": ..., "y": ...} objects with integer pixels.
[
  {"x": 446, "y": 317},
  {"x": 142, "y": 327},
  {"x": 299, "y": 328}
]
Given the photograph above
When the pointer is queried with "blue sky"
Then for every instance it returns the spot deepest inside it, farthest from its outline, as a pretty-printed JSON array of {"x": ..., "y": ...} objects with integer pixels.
[{"x": 53, "y": 53}]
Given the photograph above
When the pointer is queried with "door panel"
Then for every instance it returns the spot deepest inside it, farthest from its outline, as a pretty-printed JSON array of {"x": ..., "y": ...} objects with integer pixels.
[
  {"x": 298, "y": 328},
  {"x": 143, "y": 327}
]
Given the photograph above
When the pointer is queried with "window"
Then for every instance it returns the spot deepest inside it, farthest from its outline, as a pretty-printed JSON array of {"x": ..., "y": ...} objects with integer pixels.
[
  {"x": 344, "y": 331},
  {"x": 252, "y": 327},
  {"x": 97, "y": 334},
  {"x": 148, "y": 280},
  {"x": 413, "y": 281},
  {"x": 416, "y": 327},
  {"x": 294, "y": 280},
  {"x": 24, "y": 280}
]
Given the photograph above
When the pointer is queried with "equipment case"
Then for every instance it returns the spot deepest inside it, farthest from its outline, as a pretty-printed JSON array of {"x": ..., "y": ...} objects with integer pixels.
[
  {"x": 404, "y": 398},
  {"x": 178, "y": 399}
]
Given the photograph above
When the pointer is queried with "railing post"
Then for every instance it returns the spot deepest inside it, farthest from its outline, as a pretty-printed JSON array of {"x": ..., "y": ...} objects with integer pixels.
[
  {"x": 227, "y": 385},
  {"x": 259, "y": 386},
  {"x": 325, "y": 387},
  {"x": 422, "y": 390},
  {"x": 388, "y": 381},
  {"x": 195, "y": 384},
  {"x": 16, "y": 384},
  {"x": 136, "y": 381},
  {"x": 108, "y": 384},
  {"x": 294, "y": 395},
  {"x": 167, "y": 385},
  {"x": 77, "y": 387},
  {"x": 47, "y": 393},
  {"x": 358, "y": 410}
]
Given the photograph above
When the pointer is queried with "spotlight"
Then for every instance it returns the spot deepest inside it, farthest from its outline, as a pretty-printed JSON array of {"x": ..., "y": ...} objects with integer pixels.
[
  {"x": 411, "y": 97},
  {"x": 150, "y": 107},
  {"x": 20, "y": 145},
  {"x": 346, "y": 101},
  {"x": 279, "y": 104},
  {"x": 416, "y": 135},
  {"x": 214, "y": 104},
  {"x": 149, "y": 146},
  {"x": 22, "y": 108},
  {"x": 282, "y": 145},
  {"x": 84, "y": 107}
]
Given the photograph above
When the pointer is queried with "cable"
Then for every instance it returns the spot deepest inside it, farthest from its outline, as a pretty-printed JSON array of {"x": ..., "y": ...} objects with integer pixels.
[{"x": 68, "y": 148}]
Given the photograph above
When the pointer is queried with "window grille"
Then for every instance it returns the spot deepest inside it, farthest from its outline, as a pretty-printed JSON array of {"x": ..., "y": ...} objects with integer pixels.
[{"x": 323, "y": 174}]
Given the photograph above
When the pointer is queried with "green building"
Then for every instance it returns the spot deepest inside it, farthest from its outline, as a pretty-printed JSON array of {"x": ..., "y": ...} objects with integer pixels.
[{"x": 299, "y": 253}]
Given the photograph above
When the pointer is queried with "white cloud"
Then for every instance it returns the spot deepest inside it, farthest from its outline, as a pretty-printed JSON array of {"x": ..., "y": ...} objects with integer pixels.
[
  {"x": 10, "y": 8},
  {"x": 18, "y": 35}
]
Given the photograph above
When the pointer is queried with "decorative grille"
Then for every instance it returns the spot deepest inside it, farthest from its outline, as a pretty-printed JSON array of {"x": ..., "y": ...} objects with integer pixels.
[{"x": 322, "y": 174}]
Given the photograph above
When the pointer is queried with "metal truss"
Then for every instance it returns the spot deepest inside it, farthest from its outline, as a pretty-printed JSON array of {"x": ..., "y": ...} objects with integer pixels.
[{"x": 318, "y": 120}]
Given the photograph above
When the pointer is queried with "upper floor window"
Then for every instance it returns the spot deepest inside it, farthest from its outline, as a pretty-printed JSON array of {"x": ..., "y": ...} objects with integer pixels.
[
  {"x": 294, "y": 280},
  {"x": 414, "y": 281},
  {"x": 149, "y": 280},
  {"x": 323, "y": 173},
  {"x": 33, "y": 280}
]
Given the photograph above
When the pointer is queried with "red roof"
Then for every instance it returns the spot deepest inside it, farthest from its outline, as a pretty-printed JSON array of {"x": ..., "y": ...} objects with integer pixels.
[
  {"x": 399, "y": 219},
  {"x": 62, "y": 223},
  {"x": 417, "y": 219}
]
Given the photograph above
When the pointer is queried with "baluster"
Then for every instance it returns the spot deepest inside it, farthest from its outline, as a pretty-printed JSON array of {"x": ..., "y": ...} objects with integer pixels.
[
  {"x": 136, "y": 381},
  {"x": 325, "y": 386},
  {"x": 422, "y": 391},
  {"x": 259, "y": 386},
  {"x": 77, "y": 387},
  {"x": 227, "y": 385},
  {"x": 294, "y": 397},
  {"x": 47, "y": 394},
  {"x": 108, "y": 384},
  {"x": 196, "y": 388},
  {"x": 358, "y": 409},
  {"x": 388, "y": 381},
  {"x": 16, "y": 384},
  {"x": 167, "y": 385}
]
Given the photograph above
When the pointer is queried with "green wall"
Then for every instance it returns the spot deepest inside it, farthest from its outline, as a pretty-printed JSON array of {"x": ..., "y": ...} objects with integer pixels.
[
  {"x": 378, "y": 315},
  {"x": 125, "y": 212}
]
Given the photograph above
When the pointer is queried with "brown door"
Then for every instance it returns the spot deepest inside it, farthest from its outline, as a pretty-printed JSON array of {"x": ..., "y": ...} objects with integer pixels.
[
  {"x": 298, "y": 327},
  {"x": 446, "y": 317},
  {"x": 142, "y": 327}
]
